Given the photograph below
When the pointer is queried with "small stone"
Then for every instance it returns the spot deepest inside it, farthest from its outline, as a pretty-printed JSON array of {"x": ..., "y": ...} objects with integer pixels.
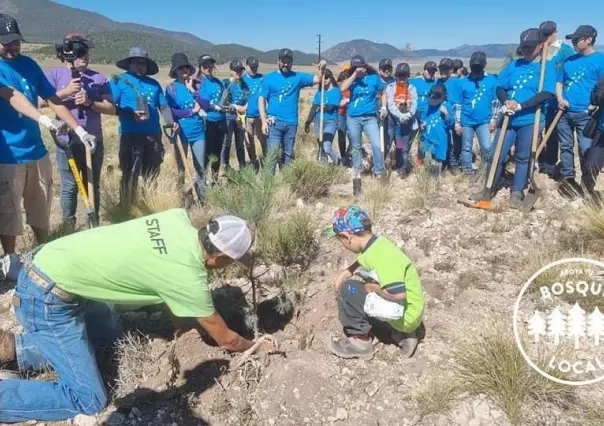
[
  {"x": 319, "y": 206},
  {"x": 271, "y": 422},
  {"x": 346, "y": 372},
  {"x": 137, "y": 412},
  {"x": 415, "y": 420},
  {"x": 481, "y": 410},
  {"x": 82, "y": 420},
  {"x": 115, "y": 419},
  {"x": 372, "y": 389},
  {"x": 341, "y": 414},
  {"x": 300, "y": 203}
]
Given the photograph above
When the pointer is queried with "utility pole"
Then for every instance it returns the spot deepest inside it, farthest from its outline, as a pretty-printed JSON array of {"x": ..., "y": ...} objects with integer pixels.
[
  {"x": 408, "y": 52},
  {"x": 319, "y": 43}
]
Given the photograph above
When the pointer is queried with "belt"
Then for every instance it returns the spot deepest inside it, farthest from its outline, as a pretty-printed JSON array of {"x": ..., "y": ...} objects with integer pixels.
[{"x": 42, "y": 282}]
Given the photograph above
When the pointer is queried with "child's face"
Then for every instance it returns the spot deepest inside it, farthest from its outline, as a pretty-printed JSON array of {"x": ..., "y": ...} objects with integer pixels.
[{"x": 350, "y": 242}]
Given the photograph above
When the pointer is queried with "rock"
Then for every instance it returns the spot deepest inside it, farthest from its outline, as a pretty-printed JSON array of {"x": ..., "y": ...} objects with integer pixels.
[
  {"x": 496, "y": 414},
  {"x": 300, "y": 203},
  {"x": 341, "y": 414},
  {"x": 82, "y": 420},
  {"x": 372, "y": 389},
  {"x": 481, "y": 410},
  {"x": 415, "y": 420},
  {"x": 137, "y": 412},
  {"x": 116, "y": 419},
  {"x": 346, "y": 372},
  {"x": 319, "y": 206}
]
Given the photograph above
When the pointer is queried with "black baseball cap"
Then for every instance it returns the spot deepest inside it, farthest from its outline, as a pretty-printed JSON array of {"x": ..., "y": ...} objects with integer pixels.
[
  {"x": 206, "y": 61},
  {"x": 457, "y": 64},
  {"x": 445, "y": 63},
  {"x": 430, "y": 66},
  {"x": 252, "y": 62},
  {"x": 478, "y": 58},
  {"x": 236, "y": 66},
  {"x": 9, "y": 29},
  {"x": 357, "y": 61},
  {"x": 403, "y": 70},
  {"x": 385, "y": 63},
  {"x": 286, "y": 54},
  {"x": 583, "y": 31},
  {"x": 530, "y": 38},
  {"x": 438, "y": 94},
  {"x": 547, "y": 28}
]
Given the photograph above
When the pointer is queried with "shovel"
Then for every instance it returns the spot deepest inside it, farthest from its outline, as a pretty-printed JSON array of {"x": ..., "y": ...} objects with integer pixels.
[
  {"x": 173, "y": 137},
  {"x": 485, "y": 203},
  {"x": 534, "y": 192}
]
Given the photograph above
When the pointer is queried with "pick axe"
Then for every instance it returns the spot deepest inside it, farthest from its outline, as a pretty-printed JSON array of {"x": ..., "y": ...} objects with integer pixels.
[{"x": 534, "y": 192}]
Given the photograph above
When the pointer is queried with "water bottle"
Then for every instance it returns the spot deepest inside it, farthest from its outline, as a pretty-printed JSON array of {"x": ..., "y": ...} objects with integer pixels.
[{"x": 142, "y": 106}]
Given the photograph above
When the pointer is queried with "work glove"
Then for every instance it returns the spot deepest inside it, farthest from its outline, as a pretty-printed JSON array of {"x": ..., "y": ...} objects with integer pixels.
[
  {"x": 505, "y": 110},
  {"x": 592, "y": 109},
  {"x": 406, "y": 117},
  {"x": 307, "y": 127},
  {"x": 202, "y": 113},
  {"x": 57, "y": 126},
  {"x": 217, "y": 108},
  {"x": 383, "y": 113},
  {"x": 87, "y": 139}
]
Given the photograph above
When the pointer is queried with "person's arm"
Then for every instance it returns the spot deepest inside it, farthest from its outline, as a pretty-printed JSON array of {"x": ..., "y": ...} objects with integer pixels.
[
  {"x": 538, "y": 99},
  {"x": 19, "y": 102},
  {"x": 311, "y": 116},
  {"x": 345, "y": 85},
  {"x": 414, "y": 99},
  {"x": 597, "y": 94},
  {"x": 226, "y": 338}
]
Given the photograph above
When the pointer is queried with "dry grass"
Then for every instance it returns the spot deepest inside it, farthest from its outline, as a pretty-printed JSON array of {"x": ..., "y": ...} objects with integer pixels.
[
  {"x": 310, "y": 180},
  {"x": 132, "y": 354},
  {"x": 376, "y": 195},
  {"x": 592, "y": 223},
  {"x": 436, "y": 397},
  {"x": 424, "y": 184},
  {"x": 492, "y": 365}
]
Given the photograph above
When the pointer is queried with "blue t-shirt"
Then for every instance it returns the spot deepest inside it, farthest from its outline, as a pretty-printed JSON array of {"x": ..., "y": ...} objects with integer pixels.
[
  {"x": 579, "y": 74},
  {"x": 437, "y": 130},
  {"x": 477, "y": 102},
  {"x": 422, "y": 87},
  {"x": 333, "y": 97},
  {"x": 520, "y": 80},
  {"x": 452, "y": 85},
  {"x": 21, "y": 138},
  {"x": 212, "y": 88},
  {"x": 192, "y": 128},
  {"x": 364, "y": 93},
  {"x": 125, "y": 89},
  {"x": 282, "y": 91},
  {"x": 254, "y": 84},
  {"x": 238, "y": 94}
]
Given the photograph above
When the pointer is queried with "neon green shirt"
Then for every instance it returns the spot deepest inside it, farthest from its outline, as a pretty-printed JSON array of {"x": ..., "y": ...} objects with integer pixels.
[
  {"x": 396, "y": 274},
  {"x": 147, "y": 261}
]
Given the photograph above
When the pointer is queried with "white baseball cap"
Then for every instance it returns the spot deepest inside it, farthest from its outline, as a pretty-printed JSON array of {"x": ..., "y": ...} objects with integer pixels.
[{"x": 232, "y": 236}]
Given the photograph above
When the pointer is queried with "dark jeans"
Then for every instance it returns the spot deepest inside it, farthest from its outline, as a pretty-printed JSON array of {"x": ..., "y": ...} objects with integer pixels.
[
  {"x": 233, "y": 128},
  {"x": 351, "y": 311},
  {"x": 521, "y": 138},
  {"x": 568, "y": 122},
  {"x": 549, "y": 156},
  {"x": 389, "y": 129},
  {"x": 69, "y": 188},
  {"x": 139, "y": 155},
  {"x": 215, "y": 131},
  {"x": 594, "y": 161},
  {"x": 454, "y": 155},
  {"x": 402, "y": 132}
]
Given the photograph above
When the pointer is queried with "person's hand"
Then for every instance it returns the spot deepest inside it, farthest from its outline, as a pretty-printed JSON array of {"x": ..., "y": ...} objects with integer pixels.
[
  {"x": 383, "y": 113},
  {"x": 175, "y": 127},
  {"x": 307, "y": 127},
  {"x": 81, "y": 98},
  {"x": 422, "y": 126},
  {"x": 87, "y": 139},
  {"x": 322, "y": 65},
  {"x": 140, "y": 116},
  {"x": 458, "y": 129},
  {"x": 492, "y": 126},
  {"x": 406, "y": 117},
  {"x": 265, "y": 127},
  {"x": 202, "y": 113},
  {"x": 189, "y": 84},
  {"x": 74, "y": 86},
  {"x": 341, "y": 277},
  {"x": 345, "y": 102},
  {"x": 57, "y": 126},
  {"x": 511, "y": 105},
  {"x": 372, "y": 287},
  {"x": 196, "y": 108},
  {"x": 217, "y": 108},
  {"x": 506, "y": 111},
  {"x": 444, "y": 111},
  {"x": 240, "y": 109},
  {"x": 360, "y": 72},
  {"x": 563, "y": 103}
]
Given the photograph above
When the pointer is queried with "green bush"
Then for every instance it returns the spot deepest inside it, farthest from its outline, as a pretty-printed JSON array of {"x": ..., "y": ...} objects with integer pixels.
[
  {"x": 288, "y": 241},
  {"x": 310, "y": 179}
]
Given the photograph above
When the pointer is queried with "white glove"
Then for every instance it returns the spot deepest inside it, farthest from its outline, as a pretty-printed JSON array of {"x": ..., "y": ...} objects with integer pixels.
[
  {"x": 383, "y": 113},
  {"x": 505, "y": 110},
  {"x": 217, "y": 108},
  {"x": 87, "y": 139},
  {"x": 406, "y": 116},
  {"x": 53, "y": 125},
  {"x": 202, "y": 113}
]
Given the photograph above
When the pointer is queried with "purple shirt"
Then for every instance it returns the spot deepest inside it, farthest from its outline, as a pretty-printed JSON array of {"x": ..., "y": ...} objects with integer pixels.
[{"x": 94, "y": 84}]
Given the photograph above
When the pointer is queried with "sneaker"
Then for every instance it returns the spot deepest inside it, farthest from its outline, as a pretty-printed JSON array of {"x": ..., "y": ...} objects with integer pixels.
[
  {"x": 516, "y": 199},
  {"x": 481, "y": 195},
  {"x": 406, "y": 342},
  {"x": 352, "y": 347},
  {"x": 7, "y": 347}
]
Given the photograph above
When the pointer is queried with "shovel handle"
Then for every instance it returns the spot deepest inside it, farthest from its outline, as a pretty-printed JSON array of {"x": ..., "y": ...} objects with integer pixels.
[
  {"x": 549, "y": 132},
  {"x": 90, "y": 178},
  {"x": 171, "y": 134},
  {"x": 498, "y": 148}
]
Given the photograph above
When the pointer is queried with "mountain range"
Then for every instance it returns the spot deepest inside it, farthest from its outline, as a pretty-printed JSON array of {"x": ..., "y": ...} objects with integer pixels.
[{"x": 46, "y": 22}]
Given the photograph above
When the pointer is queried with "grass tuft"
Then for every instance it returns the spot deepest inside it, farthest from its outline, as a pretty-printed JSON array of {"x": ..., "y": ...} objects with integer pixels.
[
  {"x": 132, "y": 354},
  {"x": 376, "y": 195},
  {"x": 310, "y": 179},
  {"x": 436, "y": 397}
]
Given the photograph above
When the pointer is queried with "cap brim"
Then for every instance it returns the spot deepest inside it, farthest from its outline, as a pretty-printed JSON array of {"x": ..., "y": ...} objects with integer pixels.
[
  {"x": 571, "y": 36},
  {"x": 9, "y": 38},
  {"x": 152, "y": 67}
]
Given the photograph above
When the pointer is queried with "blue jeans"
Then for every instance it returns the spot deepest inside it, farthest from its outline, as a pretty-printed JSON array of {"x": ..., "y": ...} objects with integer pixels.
[
  {"x": 57, "y": 333},
  {"x": 549, "y": 156},
  {"x": 522, "y": 139},
  {"x": 69, "y": 188},
  {"x": 233, "y": 128},
  {"x": 389, "y": 133},
  {"x": 402, "y": 135},
  {"x": 329, "y": 131},
  {"x": 199, "y": 153},
  {"x": 282, "y": 136},
  {"x": 369, "y": 125},
  {"x": 568, "y": 122},
  {"x": 467, "y": 144}
]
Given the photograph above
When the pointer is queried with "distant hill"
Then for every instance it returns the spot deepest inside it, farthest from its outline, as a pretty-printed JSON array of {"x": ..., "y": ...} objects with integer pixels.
[{"x": 371, "y": 51}]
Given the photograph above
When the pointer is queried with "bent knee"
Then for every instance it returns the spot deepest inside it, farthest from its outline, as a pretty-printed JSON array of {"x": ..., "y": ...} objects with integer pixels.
[{"x": 350, "y": 288}]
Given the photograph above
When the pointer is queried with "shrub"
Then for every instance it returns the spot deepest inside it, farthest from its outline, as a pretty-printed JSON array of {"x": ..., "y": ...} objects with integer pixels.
[{"x": 310, "y": 179}]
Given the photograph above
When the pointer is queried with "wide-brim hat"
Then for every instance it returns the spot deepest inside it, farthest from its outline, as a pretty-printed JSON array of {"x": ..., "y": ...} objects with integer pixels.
[
  {"x": 138, "y": 52},
  {"x": 180, "y": 60}
]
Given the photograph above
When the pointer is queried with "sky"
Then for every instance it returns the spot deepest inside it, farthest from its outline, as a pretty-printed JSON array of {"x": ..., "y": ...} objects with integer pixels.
[{"x": 272, "y": 24}]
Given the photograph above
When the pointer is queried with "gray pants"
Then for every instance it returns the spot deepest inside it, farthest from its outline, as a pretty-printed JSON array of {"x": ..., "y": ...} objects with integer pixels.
[{"x": 351, "y": 312}]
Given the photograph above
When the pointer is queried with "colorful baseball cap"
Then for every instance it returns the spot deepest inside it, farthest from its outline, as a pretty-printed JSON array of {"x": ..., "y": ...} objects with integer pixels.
[{"x": 351, "y": 219}]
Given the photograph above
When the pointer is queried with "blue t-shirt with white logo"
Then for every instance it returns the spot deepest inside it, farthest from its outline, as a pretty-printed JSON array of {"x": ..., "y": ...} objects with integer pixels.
[
  {"x": 125, "y": 89},
  {"x": 437, "y": 130},
  {"x": 364, "y": 93},
  {"x": 254, "y": 84},
  {"x": 477, "y": 102},
  {"x": 520, "y": 80},
  {"x": 579, "y": 74},
  {"x": 238, "y": 94},
  {"x": 192, "y": 128},
  {"x": 332, "y": 97},
  {"x": 20, "y": 137},
  {"x": 212, "y": 88},
  {"x": 453, "y": 86},
  {"x": 422, "y": 87},
  {"x": 282, "y": 91}
]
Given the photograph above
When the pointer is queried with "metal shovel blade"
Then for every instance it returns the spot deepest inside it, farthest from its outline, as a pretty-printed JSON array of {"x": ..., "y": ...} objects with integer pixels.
[{"x": 531, "y": 198}]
